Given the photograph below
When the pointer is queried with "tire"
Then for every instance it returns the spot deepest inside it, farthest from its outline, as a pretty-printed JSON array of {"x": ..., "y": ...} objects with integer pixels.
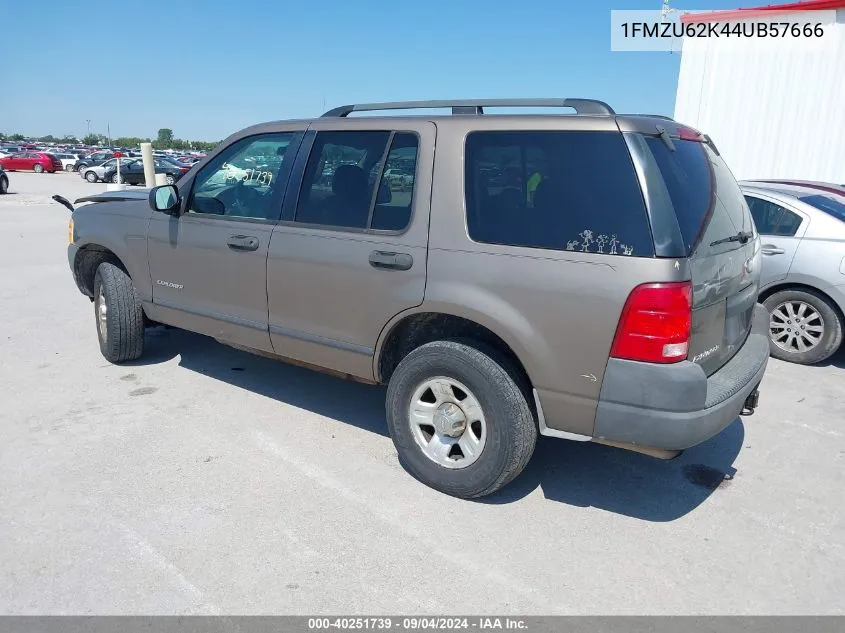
[
  {"x": 827, "y": 324},
  {"x": 170, "y": 180},
  {"x": 4, "y": 185},
  {"x": 90, "y": 176},
  {"x": 510, "y": 432},
  {"x": 115, "y": 178},
  {"x": 38, "y": 169},
  {"x": 118, "y": 315},
  {"x": 68, "y": 168}
]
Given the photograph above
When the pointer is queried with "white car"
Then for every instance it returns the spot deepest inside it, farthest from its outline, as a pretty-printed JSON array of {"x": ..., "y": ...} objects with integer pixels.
[{"x": 69, "y": 161}]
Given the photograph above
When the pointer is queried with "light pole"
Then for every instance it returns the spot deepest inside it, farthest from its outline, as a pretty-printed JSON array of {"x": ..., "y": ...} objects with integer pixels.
[{"x": 89, "y": 126}]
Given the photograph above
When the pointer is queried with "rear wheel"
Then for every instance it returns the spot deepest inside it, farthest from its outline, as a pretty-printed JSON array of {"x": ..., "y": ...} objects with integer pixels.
[
  {"x": 459, "y": 419},
  {"x": 115, "y": 178},
  {"x": 68, "y": 167},
  {"x": 170, "y": 180},
  {"x": 118, "y": 314},
  {"x": 37, "y": 168},
  {"x": 90, "y": 176},
  {"x": 4, "y": 185},
  {"x": 803, "y": 326}
]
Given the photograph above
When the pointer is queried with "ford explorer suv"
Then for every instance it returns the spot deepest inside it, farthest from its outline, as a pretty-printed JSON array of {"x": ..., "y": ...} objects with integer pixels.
[{"x": 587, "y": 276}]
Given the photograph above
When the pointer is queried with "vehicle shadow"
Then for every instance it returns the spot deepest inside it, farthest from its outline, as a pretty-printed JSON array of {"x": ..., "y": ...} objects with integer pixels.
[
  {"x": 585, "y": 474},
  {"x": 837, "y": 360},
  {"x": 344, "y": 400},
  {"x": 580, "y": 474}
]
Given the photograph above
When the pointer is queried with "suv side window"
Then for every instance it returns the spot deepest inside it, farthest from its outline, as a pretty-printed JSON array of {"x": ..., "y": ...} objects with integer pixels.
[
  {"x": 574, "y": 191},
  {"x": 241, "y": 180},
  {"x": 339, "y": 187},
  {"x": 773, "y": 219}
]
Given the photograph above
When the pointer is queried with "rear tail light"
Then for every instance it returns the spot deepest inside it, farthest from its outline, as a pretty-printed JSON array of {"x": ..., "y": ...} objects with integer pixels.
[
  {"x": 655, "y": 324},
  {"x": 183, "y": 169}
]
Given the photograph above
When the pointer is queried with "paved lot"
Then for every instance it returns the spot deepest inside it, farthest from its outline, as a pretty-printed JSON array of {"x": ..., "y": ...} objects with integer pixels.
[{"x": 205, "y": 480}]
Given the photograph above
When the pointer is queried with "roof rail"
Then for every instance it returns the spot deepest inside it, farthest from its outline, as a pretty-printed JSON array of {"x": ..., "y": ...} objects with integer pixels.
[{"x": 476, "y": 106}]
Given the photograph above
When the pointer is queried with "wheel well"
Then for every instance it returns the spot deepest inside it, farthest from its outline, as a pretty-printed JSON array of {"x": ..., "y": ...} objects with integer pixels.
[
  {"x": 87, "y": 260},
  {"x": 418, "y": 329},
  {"x": 768, "y": 292}
]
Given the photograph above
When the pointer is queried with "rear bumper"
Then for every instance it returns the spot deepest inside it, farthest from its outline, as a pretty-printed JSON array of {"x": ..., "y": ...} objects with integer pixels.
[{"x": 677, "y": 406}]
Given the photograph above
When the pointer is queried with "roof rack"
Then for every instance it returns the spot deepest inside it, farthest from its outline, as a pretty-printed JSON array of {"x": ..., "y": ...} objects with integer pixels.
[{"x": 476, "y": 106}]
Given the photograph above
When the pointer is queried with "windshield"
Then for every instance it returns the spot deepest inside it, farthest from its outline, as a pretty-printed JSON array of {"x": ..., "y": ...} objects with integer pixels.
[{"x": 830, "y": 204}]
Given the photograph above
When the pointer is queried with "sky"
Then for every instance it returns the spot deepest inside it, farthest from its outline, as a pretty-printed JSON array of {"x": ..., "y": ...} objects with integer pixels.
[{"x": 207, "y": 68}]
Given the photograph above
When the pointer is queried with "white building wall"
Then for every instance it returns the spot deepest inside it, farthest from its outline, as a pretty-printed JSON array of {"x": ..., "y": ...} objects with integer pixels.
[{"x": 774, "y": 110}]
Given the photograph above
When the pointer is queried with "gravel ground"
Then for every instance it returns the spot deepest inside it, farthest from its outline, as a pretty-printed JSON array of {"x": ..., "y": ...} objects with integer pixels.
[{"x": 201, "y": 479}]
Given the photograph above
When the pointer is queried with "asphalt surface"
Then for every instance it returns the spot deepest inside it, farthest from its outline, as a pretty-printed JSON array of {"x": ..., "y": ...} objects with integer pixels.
[{"x": 201, "y": 479}]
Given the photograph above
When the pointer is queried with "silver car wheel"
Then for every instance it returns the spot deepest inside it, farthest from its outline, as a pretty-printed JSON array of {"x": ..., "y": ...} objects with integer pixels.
[
  {"x": 796, "y": 326},
  {"x": 447, "y": 422},
  {"x": 101, "y": 310}
]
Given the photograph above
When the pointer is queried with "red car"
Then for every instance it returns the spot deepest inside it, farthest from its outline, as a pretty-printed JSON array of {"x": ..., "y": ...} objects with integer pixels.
[{"x": 36, "y": 161}]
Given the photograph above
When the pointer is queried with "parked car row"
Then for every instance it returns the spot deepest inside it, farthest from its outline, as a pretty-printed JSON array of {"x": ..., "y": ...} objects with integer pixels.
[
  {"x": 132, "y": 171},
  {"x": 75, "y": 158}
]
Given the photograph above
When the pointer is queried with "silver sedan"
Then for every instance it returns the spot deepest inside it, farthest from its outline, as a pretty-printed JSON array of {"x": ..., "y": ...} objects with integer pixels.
[
  {"x": 96, "y": 173},
  {"x": 802, "y": 285}
]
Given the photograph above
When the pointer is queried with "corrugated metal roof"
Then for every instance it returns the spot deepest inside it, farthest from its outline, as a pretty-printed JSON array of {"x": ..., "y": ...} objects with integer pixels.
[{"x": 768, "y": 10}]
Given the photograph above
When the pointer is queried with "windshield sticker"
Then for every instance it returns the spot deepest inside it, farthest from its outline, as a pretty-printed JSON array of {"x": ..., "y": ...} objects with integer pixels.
[{"x": 599, "y": 243}]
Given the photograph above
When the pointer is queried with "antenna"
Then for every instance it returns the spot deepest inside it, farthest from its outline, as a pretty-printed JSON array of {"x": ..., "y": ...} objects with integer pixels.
[{"x": 665, "y": 11}]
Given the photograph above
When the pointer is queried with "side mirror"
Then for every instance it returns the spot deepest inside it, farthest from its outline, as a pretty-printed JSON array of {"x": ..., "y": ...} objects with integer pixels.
[{"x": 165, "y": 199}]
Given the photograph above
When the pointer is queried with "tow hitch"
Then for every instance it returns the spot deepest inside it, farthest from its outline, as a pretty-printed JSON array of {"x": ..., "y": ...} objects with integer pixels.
[{"x": 751, "y": 403}]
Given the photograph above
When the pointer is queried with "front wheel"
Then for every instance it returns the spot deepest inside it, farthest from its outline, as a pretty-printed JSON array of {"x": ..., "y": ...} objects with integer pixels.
[
  {"x": 803, "y": 326},
  {"x": 90, "y": 176},
  {"x": 4, "y": 185},
  {"x": 68, "y": 168},
  {"x": 115, "y": 179},
  {"x": 459, "y": 419},
  {"x": 170, "y": 180},
  {"x": 38, "y": 169},
  {"x": 118, "y": 313}
]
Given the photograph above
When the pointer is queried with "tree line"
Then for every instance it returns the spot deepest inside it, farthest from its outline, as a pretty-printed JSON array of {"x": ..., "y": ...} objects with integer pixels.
[{"x": 164, "y": 140}]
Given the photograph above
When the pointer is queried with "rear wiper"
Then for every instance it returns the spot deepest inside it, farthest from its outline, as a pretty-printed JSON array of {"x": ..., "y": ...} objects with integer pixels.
[
  {"x": 664, "y": 136},
  {"x": 742, "y": 237}
]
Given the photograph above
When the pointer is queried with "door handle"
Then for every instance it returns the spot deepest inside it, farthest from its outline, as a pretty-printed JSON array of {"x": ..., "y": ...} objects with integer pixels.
[
  {"x": 770, "y": 249},
  {"x": 395, "y": 261},
  {"x": 243, "y": 243}
]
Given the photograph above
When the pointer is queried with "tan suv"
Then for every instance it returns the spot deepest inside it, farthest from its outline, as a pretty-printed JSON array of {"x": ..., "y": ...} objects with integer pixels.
[{"x": 591, "y": 276}]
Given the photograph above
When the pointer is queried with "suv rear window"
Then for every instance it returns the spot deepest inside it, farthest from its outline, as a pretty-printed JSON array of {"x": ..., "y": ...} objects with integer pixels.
[
  {"x": 704, "y": 193},
  {"x": 566, "y": 190}
]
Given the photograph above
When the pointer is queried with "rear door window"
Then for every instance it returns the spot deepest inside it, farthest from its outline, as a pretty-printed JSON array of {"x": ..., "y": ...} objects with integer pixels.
[
  {"x": 773, "y": 219},
  {"x": 361, "y": 180},
  {"x": 567, "y": 190},
  {"x": 766, "y": 214}
]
